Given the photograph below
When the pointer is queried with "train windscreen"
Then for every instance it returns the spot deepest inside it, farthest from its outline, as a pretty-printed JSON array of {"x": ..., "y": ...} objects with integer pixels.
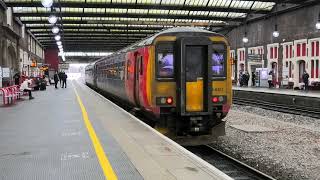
[
  {"x": 165, "y": 60},
  {"x": 219, "y": 60}
]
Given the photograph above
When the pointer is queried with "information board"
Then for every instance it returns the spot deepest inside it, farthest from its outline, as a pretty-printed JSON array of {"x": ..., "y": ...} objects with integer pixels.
[{"x": 5, "y": 73}]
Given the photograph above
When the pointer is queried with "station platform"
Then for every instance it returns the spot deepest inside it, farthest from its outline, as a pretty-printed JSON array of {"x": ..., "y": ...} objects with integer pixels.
[
  {"x": 279, "y": 91},
  {"x": 75, "y": 133}
]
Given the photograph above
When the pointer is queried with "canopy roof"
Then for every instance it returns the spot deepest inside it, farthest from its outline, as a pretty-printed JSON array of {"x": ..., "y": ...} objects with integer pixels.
[{"x": 109, "y": 25}]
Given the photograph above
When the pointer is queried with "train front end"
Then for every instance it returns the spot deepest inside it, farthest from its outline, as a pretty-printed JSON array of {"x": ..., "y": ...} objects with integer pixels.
[{"x": 192, "y": 85}]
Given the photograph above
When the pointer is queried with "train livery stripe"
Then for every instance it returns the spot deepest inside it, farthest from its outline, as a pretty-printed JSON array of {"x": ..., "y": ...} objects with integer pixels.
[{"x": 103, "y": 160}]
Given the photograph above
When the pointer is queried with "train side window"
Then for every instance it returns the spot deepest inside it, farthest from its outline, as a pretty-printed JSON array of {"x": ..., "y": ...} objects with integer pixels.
[
  {"x": 219, "y": 56},
  {"x": 165, "y": 60},
  {"x": 141, "y": 65}
]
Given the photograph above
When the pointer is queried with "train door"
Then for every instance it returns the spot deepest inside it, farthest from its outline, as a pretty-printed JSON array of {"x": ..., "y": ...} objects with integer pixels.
[
  {"x": 194, "y": 75},
  {"x": 138, "y": 71}
]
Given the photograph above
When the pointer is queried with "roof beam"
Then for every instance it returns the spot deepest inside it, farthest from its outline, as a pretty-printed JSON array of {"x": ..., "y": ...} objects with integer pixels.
[
  {"x": 98, "y": 27},
  {"x": 138, "y": 6},
  {"x": 96, "y": 32},
  {"x": 131, "y": 15},
  {"x": 66, "y": 35},
  {"x": 66, "y": 21}
]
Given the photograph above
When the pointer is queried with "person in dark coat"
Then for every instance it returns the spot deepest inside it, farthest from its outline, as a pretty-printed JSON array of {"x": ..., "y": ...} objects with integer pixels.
[
  {"x": 56, "y": 79},
  {"x": 305, "y": 78},
  {"x": 60, "y": 78},
  {"x": 64, "y": 80},
  {"x": 17, "y": 78},
  {"x": 247, "y": 77},
  {"x": 253, "y": 78},
  {"x": 241, "y": 76}
]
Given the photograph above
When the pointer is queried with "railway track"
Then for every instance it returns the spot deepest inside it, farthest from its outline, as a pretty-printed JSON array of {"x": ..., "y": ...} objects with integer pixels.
[
  {"x": 230, "y": 166},
  {"x": 278, "y": 107}
]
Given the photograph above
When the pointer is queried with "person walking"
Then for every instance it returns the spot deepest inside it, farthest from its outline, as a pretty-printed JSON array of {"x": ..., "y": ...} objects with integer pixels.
[
  {"x": 64, "y": 80},
  {"x": 56, "y": 79},
  {"x": 305, "y": 78},
  {"x": 253, "y": 79},
  {"x": 25, "y": 87}
]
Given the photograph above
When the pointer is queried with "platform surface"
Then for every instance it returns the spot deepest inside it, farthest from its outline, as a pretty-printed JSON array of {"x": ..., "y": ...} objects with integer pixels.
[
  {"x": 49, "y": 138},
  {"x": 279, "y": 91}
]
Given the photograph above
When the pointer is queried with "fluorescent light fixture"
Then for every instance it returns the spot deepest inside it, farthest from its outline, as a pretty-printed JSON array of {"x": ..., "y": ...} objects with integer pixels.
[
  {"x": 55, "y": 30},
  {"x": 57, "y": 37},
  {"x": 60, "y": 47},
  {"x": 47, "y": 3},
  {"x": 52, "y": 19},
  {"x": 59, "y": 43}
]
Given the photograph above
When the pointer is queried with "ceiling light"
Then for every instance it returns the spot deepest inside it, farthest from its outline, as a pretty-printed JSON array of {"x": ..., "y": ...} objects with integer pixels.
[
  {"x": 318, "y": 25},
  {"x": 55, "y": 29},
  {"x": 60, "y": 46},
  {"x": 59, "y": 43},
  {"x": 52, "y": 19},
  {"x": 245, "y": 38},
  {"x": 47, "y": 3},
  {"x": 276, "y": 32},
  {"x": 57, "y": 37}
]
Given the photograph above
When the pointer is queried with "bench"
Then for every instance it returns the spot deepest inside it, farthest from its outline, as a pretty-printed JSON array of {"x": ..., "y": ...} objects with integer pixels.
[{"x": 6, "y": 96}]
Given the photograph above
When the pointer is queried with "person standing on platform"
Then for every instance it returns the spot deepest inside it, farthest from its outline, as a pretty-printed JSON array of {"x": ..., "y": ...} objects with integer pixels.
[
  {"x": 253, "y": 79},
  {"x": 17, "y": 78},
  {"x": 241, "y": 79},
  {"x": 60, "y": 77},
  {"x": 25, "y": 88},
  {"x": 270, "y": 78},
  {"x": 56, "y": 79},
  {"x": 305, "y": 78},
  {"x": 64, "y": 80},
  {"x": 247, "y": 77}
]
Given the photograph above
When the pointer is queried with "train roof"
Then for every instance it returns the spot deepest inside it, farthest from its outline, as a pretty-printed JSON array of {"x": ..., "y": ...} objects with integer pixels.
[{"x": 171, "y": 31}]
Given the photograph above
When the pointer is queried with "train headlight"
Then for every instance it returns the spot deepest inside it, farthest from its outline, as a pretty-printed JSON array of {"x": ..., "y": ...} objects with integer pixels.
[{"x": 163, "y": 100}]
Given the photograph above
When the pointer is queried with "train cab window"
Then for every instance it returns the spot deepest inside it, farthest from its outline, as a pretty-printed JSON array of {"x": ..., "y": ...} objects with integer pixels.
[
  {"x": 219, "y": 60},
  {"x": 165, "y": 60}
]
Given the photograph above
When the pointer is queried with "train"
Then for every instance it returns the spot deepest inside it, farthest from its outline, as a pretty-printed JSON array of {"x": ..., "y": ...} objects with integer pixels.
[{"x": 179, "y": 77}]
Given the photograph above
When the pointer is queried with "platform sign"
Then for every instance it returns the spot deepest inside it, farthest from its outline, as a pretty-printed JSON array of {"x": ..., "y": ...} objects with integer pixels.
[
  {"x": 64, "y": 66},
  {"x": 255, "y": 57}
]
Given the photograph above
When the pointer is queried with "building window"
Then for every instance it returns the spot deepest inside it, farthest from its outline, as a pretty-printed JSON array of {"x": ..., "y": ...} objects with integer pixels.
[
  {"x": 304, "y": 47},
  {"x": 317, "y": 68},
  {"x": 312, "y": 49},
  {"x": 312, "y": 68},
  {"x": 290, "y": 50},
  {"x": 275, "y": 52},
  {"x": 271, "y": 52},
  {"x": 287, "y": 51},
  {"x": 317, "y": 48},
  {"x": 298, "y": 50}
]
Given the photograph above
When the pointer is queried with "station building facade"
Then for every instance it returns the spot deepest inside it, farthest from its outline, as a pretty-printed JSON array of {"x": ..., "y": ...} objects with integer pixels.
[
  {"x": 295, "y": 50},
  {"x": 19, "y": 50}
]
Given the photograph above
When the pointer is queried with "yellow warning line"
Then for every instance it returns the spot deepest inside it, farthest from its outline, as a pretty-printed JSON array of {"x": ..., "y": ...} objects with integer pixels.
[{"x": 103, "y": 160}]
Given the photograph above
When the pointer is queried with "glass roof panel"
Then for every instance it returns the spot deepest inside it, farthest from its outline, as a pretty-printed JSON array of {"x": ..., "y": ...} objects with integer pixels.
[
  {"x": 219, "y": 3},
  {"x": 241, "y": 4},
  {"x": 263, "y": 5},
  {"x": 172, "y": 2},
  {"x": 234, "y": 15}
]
